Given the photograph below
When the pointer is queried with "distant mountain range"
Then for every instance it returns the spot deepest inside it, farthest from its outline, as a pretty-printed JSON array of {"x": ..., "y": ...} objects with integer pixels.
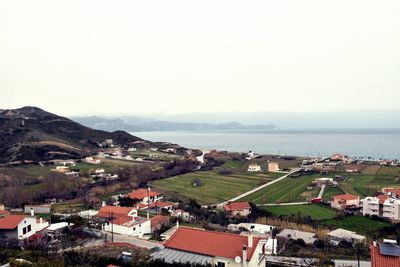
[
  {"x": 139, "y": 124},
  {"x": 32, "y": 134}
]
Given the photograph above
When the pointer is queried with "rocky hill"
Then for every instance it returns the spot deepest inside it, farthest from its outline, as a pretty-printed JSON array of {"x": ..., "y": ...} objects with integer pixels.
[{"x": 32, "y": 134}]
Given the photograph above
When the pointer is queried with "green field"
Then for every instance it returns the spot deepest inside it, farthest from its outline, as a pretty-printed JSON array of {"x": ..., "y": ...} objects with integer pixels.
[
  {"x": 214, "y": 187},
  {"x": 331, "y": 191},
  {"x": 315, "y": 211},
  {"x": 286, "y": 190},
  {"x": 361, "y": 225}
]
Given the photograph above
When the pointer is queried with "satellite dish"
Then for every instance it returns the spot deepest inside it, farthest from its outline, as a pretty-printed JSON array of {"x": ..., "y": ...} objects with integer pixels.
[{"x": 238, "y": 259}]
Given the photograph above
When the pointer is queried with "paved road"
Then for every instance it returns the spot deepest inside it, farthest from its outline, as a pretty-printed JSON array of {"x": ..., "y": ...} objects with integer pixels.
[
  {"x": 260, "y": 187},
  {"x": 322, "y": 191},
  {"x": 135, "y": 241}
]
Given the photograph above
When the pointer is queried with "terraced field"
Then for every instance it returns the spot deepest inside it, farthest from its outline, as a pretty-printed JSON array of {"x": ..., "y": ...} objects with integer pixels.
[{"x": 286, "y": 190}]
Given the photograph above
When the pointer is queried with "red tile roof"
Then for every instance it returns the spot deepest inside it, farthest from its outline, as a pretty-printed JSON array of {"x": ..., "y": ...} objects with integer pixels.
[
  {"x": 237, "y": 206},
  {"x": 382, "y": 198},
  {"x": 141, "y": 193},
  {"x": 11, "y": 221},
  {"x": 158, "y": 220},
  {"x": 105, "y": 212},
  {"x": 345, "y": 197},
  {"x": 396, "y": 191},
  {"x": 210, "y": 243},
  {"x": 379, "y": 260}
]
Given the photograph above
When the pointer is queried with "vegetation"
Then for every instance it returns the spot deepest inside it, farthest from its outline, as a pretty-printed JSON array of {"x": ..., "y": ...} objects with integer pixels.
[
  {"x": 360, "y": 224},
  {"x": 315, "y": 211}
]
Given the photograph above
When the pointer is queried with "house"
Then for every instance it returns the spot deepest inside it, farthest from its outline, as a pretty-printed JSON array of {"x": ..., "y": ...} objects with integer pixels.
[
  {"x": 392, "y": 192},
  {"x": 124, "y": 221},
  {"x": 251, "y": 227},
  {"x": 323, "y": 181},
  {"x": 238, "y": 208},
  {"x": 179, "y": 213},
  {"x": 337, "y": 157},
  {"x": 345, "y": 201},
  {"x": 273, "y": 166},
  {"x": 62, "y": 169},
  {"x": 92, "y": 160},
  {"x": 20, "y": 226},
  {"x": 338, "y": 235},
  {"x": 69, "y": 162},
  {"x": 220, "y": 249},
  {"x": 145, "y": 196},
  {"x": 158, "y": 221},
  {"x": 156, "y": 205},
  {"x": 99, "y": 171},
  {"x": 132, "y": 149},
  {"x": 2, "y": 206},
  {"x": 41, "y": 209},
  {"x": 391, "y": 209},
  {"x": 307, "y": 237},
  {"x": 386, "y": 254},
  {"x": 373, "y": 205},
  {"x": 250, "y": 155},
  {"x": 353, "y": 168},
  {"x": 254, "y": 167}
]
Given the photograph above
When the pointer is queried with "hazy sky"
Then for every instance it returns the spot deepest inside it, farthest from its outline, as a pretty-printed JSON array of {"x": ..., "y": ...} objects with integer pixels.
[{"x": 130, "y": 57}]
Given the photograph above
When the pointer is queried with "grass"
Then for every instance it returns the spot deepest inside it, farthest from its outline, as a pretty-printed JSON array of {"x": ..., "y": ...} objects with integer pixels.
[
  {"x": 215, "y": 188},
  {"x": 359, "y": 224},
  {"x": 331, "y": 191},
  {"x": 315, "y": 211},
  {"x": 286, "y": 190}
]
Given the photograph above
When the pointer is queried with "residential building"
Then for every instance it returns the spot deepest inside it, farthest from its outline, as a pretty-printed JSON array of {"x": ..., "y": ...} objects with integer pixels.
[
  {"x": 273, "y": 166},
  {"x": 345, "y": 201},
  {"x": 391, "y": 209},
  {"x": 386, "y": 254},
  {"x": 20, "y": 226},
  {"x": 254, "y": 167},
  {"x": 2, "y": 206},
  {"x": 156, "y": 205},
  {"x": 145, "y": 196},
  {"x": 307, "y": 237},
  {"x": 338, "y": 235},
  {"x": 323, "y": 181},
  {"x": 41, "y": 209},
  {"x": 124, "y": 220},
  {"x": 216, "y": 248},
  {"x": 158, "y": 221},
  {"x": 92, "y": 160},
  {"x": 238, "y": 208},
  {"x": 338, "y": 157},
  {"x": 62, "y": 169},
  {"x": 393, "y": 192},
  {"x": 373, "y": 205},
  {"x": 251, "y": 227}
]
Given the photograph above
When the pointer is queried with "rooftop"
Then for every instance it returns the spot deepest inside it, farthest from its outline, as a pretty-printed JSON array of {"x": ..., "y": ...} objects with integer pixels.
[
  {"x": 237, "y": 206},
  {"x": 11, "y": 221},
  {"x": 210, "y": 243},
  {"x": 141, "y": 193},
  {"x": 380, "y": 260},
  {"x": 345, "y": 197}
]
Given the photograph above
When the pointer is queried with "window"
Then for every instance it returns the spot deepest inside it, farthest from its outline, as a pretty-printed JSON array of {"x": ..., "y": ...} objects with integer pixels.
[
  {"x": 24, "y": 230},
  {"x": 29, "y": 228},
  {"x": 220, "y": 264}
]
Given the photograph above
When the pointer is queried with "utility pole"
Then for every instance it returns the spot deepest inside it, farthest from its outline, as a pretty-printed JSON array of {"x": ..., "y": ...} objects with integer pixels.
[
  {"x": 358, "y": 255},
  {"x": 112, "y": 227}
]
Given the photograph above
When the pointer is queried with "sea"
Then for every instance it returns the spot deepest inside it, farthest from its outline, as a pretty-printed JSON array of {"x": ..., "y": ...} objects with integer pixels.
[{"x": 358, "y": 143}]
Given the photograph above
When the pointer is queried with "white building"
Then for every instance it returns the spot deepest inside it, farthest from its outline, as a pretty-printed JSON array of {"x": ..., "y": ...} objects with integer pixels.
[
  {"x": 20, "y": 226},
  {"x": 338, "y": 235},
  {"x": 373, "y": 205},
  {"x": 253, "y": 227},
  {"x": 308, "y": 237},
  {"x": 254, "y": 168},
  {"x": 391, "y": 209}
]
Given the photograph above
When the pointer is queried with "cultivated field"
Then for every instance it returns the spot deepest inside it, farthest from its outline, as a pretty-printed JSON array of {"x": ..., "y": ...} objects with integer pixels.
[
  {"x": 361, "y": 225},
  {"x": 315, "y": 211},
  {"x": 215, "y": 187}
]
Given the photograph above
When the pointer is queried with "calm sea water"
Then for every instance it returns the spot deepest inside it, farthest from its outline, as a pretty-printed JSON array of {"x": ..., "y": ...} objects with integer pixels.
[{"x": 356, "y": 143}]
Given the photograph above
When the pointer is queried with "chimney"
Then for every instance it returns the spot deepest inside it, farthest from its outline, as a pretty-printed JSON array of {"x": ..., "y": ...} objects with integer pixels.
[
  {"x": 41, "y": 220},
  {"x": 244, "y": 256},
  {"x": 177, "y": 224},
  {"x": 103, "y": 204},
  {"x": 250, "y": 240},
  {"x": 32, "y": 212}
]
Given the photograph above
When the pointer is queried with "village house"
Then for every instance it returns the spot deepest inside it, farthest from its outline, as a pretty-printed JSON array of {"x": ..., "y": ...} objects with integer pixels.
[
  {"x": 62, "y": 169},
  {"x": 255, "y": 228},
  {"x": 92, "y": 160},
  {"x": 337, "y": 157},
  {"x": 308, "y": 237},
  {"x": 254, "y": 167},
  {"x": 145, "y": 196},
  {"x": 345, "y": 201},
  {"x": 338, "y": 235},
  {"x": 250, "y": 155},
  {"x": 215, "y": 248},
  {"x": 124, "y": 221},
  {"x": 20, "y": 226},
  {"x": 156, "y": 205},
  {"x": 158, "y": 221},
  {"x": 391, "y": 209},
  {"x": 2, "y": 206},
  {"x": 69, "y": 162},
  {"x": 41, "y": 209},
  {"x": 238, "y": 208},
  {"x": 273, "y": 166},
  {"x": 373, "y": 205},
  {"x": 386, "y": 254},
  {"x": 319, "y": 182},
  {"x": 392, "y": 192}
]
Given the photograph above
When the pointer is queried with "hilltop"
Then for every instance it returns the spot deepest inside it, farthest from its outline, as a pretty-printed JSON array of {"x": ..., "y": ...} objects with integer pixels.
[{"x": 32, "y": 134}]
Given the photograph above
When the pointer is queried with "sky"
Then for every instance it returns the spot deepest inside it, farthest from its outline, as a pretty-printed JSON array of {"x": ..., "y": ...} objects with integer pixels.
[{"x": 170, "y": 57}]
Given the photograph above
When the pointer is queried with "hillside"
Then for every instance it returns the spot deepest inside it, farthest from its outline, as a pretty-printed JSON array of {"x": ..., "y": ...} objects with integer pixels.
[
  {"x": 137, "y": 124},
  {"x": 32, "y": 134}
]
